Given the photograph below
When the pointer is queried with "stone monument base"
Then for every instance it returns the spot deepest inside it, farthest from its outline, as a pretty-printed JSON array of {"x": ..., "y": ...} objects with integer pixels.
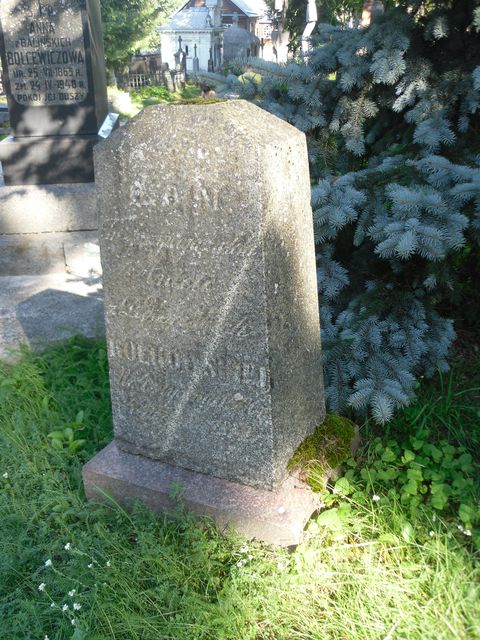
[
  {"x": 276, "y": 517},
  {"x": 45, "y": 160},
  {"x": 49, "y": 160}
]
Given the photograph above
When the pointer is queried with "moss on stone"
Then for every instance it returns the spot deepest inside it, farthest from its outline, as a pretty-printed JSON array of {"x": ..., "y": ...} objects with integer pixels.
[
  {"x": 198, "y": 100},
  {"x": 327, "y": 448}
]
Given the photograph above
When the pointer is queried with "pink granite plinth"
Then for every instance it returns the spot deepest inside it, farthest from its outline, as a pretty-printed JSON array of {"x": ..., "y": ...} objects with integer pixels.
[{"x": 276, "y": 517}]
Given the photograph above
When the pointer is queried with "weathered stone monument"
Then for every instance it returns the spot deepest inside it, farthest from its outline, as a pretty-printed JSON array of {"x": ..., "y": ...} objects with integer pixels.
[
  {"x": 54, "y": 74},
  {"x": 212, "y": 314}
]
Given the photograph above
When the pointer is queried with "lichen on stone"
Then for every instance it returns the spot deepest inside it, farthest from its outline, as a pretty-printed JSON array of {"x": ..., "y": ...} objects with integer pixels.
[{"x": 329, "y": 446}]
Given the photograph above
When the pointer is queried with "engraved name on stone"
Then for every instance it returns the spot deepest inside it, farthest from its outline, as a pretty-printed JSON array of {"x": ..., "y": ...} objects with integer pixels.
[
  {"x": 155, "y": 308},
  {"x": 224, "y": 367},
  {"x": 154, "y": 248},
  {"x": 192, "y": 196},
  {"x": 45, "y": 51}
]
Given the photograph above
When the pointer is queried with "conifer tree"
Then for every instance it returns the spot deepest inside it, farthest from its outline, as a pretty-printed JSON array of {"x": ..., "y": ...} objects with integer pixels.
[{"x": 391, "y": 114}]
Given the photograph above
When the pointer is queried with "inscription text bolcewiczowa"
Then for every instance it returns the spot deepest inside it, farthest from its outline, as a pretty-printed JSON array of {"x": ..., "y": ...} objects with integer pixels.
[{"x": 45, "y": 51}]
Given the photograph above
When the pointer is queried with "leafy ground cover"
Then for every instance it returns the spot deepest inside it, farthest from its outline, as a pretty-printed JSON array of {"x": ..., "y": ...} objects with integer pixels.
[{"x": 382, "y": 561}]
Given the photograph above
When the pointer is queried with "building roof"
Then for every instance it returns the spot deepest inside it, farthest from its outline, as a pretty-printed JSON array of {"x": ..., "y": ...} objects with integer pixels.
[
  {"x": 194, "y": 18},
  {"x": 251, "y": 8},
  {"x": 187, "y": 19}
]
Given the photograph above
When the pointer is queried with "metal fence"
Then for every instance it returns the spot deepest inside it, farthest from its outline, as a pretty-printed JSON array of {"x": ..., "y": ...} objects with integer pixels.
[{"x": 137, "y": 80}]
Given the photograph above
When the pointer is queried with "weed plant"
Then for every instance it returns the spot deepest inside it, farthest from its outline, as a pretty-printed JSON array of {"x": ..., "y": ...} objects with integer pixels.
[
  {"x": 428, "y": 459},
  {"x": 370, "y": 567}
]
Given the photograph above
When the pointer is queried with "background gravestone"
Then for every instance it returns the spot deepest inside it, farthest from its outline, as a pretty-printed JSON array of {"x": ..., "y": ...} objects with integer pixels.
[
  {"x": 211, "y": 310},
  {"x": 54, "y": 74}
]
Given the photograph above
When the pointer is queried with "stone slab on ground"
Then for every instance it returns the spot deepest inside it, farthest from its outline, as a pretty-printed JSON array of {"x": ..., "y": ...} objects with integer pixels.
[
  {"x": 276, "y": 517},
  {"x": 43, "y": 253},
  {"x": 48, "y": 208},
  {"x": 47, "y": 308}
]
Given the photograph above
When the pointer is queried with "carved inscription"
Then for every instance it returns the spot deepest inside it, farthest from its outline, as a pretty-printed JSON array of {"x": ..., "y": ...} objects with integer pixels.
[
  {"x": 154, "y": 252},
  {"x": 225, "y": 367},
  {"x": 150, "y": 307},
  {"x": 188, "y": 198},
  {"x": 45, "y": 51}
]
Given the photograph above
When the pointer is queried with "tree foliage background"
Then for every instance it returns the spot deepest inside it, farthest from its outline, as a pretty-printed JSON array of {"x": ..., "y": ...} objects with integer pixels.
[
  {"x": 329, "y": 12},
  {"x": 129, "y": 25},
  {"x": 391, "y": 114}
]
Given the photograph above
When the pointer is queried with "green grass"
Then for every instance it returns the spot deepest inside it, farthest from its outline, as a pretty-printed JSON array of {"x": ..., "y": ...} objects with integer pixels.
[
  {"x": 368, "y": 570},
  {"x": 147, "y": 96},
  {"x": 4, "y": 130},
  {"x": 129, "y": 104},
  {"x": 450, "y": 403}
]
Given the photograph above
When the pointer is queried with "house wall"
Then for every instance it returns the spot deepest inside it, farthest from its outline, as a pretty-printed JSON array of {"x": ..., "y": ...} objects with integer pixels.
[
  {"x": 169, "y": 44},
  {"x": 189, "y": 38}
]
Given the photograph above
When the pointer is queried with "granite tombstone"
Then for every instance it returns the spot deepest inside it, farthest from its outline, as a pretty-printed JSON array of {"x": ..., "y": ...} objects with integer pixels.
[
  {"x": 211, "y": 313},
  {"x": 54, "y": 75}
]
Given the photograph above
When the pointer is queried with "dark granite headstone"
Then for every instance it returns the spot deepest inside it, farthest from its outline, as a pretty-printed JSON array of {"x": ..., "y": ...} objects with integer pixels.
[{"x": 54, "y": 74}]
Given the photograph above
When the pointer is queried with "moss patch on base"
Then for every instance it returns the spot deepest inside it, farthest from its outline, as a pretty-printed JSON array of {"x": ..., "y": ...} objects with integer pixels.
[{"x": 329, "y": 446}]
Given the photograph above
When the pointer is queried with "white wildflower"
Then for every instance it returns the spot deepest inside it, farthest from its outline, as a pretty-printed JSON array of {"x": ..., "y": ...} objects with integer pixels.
[
  {"x": 48, "y": 563},
  {"x": 467, "y": 532},
  {"x": 282, "y": 565},
  {"x": 90, "y": 566},
  {"x": 68, "y": 546},
  {"x": 46, "y": 638},
  {"x": 77, "y": 606},
  {"x": 243, "y": 550},
  {"x": 65, "y": 607},
  {"x": 41, "y": 586},
  {"x": 73, "y": 621},
  {"x": 431, "y": 534},
  {"x": 375, "y": 498},
  {"x": 52, "y": 605},
  {"x": 5, "y": 475},
  {"x": 72, "y": 593},
  {"x": 108, "y": 563}
]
